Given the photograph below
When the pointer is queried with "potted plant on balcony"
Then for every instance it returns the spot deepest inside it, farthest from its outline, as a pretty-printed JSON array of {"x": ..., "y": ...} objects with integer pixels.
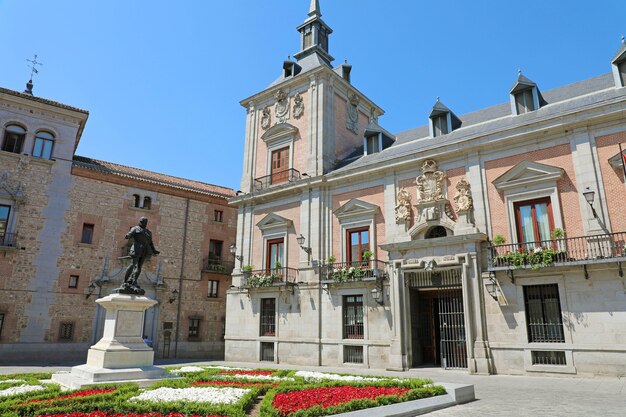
[
  {"x": 558, "y": 235},
  {"x": 498, "y": 260}
]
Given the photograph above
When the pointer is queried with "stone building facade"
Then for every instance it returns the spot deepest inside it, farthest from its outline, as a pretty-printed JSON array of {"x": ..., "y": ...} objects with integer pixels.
[
  {"x": 491, "y": 242},
  {"x": 63, "y": 219}
]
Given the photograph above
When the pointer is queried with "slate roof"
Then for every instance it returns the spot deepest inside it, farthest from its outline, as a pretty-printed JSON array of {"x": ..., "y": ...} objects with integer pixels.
[
  {"x": 152, "y": 177},
  {"x": 42, "y": 100},
  {"x": 492, "y": 119}
]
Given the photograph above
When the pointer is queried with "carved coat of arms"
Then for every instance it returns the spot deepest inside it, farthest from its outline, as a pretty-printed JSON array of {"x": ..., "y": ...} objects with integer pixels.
[
  {"x": 266, "y": 118},
  {"x": 463, "y": 198},
  {"x": 403, "y": 208},
  {"x": 282, "y": 106},
  {"x": 430, "y": 183},
  {"x": 352, "y": 121},
  {"x": 298, "y": 106}
]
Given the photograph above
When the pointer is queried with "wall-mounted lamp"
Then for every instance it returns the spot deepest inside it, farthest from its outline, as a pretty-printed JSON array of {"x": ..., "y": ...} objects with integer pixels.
[
  {"x": 492, "y": 286},
  {"x": 90, "y": 290},
  {"x": 173, "y": 296},
  {"x": 301, "y": 239},
  {"x": 233, "y": 251},
  {"x": 589, "y": 197},
  {"x": 377, "y": 295},
  {"x": 239, "y": 192}
]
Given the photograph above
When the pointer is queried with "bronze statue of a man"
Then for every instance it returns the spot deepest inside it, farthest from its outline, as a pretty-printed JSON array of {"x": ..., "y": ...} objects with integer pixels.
[{"x": 142, "y": 248}]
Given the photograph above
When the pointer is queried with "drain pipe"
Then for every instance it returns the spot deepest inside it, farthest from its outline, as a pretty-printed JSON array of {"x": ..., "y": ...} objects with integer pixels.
[{"x": 180, "y": 280}]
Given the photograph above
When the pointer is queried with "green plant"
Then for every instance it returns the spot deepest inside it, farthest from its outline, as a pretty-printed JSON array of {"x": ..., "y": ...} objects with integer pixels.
[
  {"x": 277, "y": 265},
  {"x": 247, "y": 268},
  {"x": 367, "y": 255},
  {"x": 499, "y": 240},
  {"x": 558, "y": 233},
  {"x": 331, "y": 259}
]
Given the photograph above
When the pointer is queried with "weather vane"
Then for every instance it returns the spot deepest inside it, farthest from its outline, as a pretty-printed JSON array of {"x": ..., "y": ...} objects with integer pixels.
[{"x": 33, "y": 66}]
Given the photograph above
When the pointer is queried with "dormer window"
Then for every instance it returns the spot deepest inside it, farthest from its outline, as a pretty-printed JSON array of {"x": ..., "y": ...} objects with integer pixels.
[
  {"x": 525, "y": 96},
  {"x": 442, "y": 120},
  {"x": 372, "y": 144},
  {"x": 619, "y": 65},
  {"x": 376, "y": 138},
  {"x": 290, "y": 68}
]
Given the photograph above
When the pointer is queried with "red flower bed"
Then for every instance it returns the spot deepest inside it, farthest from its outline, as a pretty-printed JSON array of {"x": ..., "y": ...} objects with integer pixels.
[
  {"x": 234, "y": 383},
  {"x": 266, "y": 373},
  {"x": 291, "y": 402},
  {"x": 103, "y": 414},
  {"x": 85, "y": 393}
]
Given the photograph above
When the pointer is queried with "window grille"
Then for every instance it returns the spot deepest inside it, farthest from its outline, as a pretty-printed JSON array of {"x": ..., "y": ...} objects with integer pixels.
[
  {"x": 353, "y": 317},
  {"x": 194, "y": 328},
  {"x": 268, "y": 317},
  {"x": 66, "y": 331},
  {"x": 543, "y": 313},
  {"x": 267, "y": 351},
  {"x": 353, "y": 354},
  {"x": 552, "y": 357}
]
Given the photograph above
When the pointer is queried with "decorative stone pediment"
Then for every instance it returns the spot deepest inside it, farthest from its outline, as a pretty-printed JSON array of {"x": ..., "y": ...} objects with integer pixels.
[
  {"x": 279, "y": 131},
  {"x": 527, "y": 173},
  {"x": 273, "y": 222},
  {"x": 356, "y": 208}
]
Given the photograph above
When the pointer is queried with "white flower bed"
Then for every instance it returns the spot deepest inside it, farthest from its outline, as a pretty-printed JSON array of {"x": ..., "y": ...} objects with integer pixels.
[
  {"x": 199, "y": 395},
  {"x": 228, "y": 368},
  {"x": 21, "y": 390},
  {"x": 317, "y": 376},
  {"x": 11, "y": 381},
  {"x": 185, "y": 369},
  {"x": 262, "y": 377}
]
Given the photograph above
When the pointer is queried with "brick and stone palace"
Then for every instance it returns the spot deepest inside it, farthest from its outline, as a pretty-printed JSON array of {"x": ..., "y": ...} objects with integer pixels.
[
  {"x": 492, "y": 241},
  {"x": 63, "y": 219}
]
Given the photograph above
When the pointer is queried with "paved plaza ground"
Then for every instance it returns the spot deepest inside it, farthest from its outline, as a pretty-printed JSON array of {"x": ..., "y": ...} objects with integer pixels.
[{"x": 497, "y": 395}]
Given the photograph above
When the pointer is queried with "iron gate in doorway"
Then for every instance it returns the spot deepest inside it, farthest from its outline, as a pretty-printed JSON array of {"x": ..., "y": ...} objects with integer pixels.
[{"x": 438, "y": 318}]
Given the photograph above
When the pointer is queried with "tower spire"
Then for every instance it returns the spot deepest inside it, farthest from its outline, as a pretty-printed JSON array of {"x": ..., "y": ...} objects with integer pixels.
[
  {"x": 314, "y": 10},
  {"x": 314, "y": 35}
]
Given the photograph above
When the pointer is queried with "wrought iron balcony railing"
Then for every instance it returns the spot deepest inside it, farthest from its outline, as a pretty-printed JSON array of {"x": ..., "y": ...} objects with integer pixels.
[
  {"x": 212, "y": 264},
  {"x": 558, "y": 252},
  {"x": 8, "y": 239},
  {"x": 276, "y": 178},
  {"x": 269, "y": 277},
  {"x": 354, "y": 271}
]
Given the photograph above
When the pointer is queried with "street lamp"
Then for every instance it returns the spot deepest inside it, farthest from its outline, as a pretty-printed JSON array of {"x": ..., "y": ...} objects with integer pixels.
[
  {"x": 173, "y": 296},
  {"x": 233, "y": 251},
  {"x": 589, "y": 197},
  {"x": 301, "y": 239},
  {"x": 492, "y": 287}
]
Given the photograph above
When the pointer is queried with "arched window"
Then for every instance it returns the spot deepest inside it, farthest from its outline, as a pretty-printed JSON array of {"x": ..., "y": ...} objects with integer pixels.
[
  {"x": 43, "y": 145},
  {"x": 13, "y": 138},
  {"x": 147, "y": 203},
  {"x": 136, "y": 200},
  {"x": 435, "y": 232}
]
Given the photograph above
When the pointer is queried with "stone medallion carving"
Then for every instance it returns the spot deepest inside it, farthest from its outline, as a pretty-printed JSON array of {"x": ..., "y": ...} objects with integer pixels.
[
  {"x": 298, "y": 106},
  {"x": 430, "y": 183},
  {"x": 282, "y": 106},
  {"x": 352, "y": 121},
  {"x": 403, "y": 208},
  {"x": 463, "y": 198},
  {"x": 266, "y": 118}
]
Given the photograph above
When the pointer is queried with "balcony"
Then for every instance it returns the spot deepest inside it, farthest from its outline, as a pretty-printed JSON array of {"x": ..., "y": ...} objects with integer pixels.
[
  {"x": 270, "y": 277},
  {"x": 8, "y": 240},
  {"x": 276, "y": 178},
  {"x": 583, "y": 250},
  {"x": 353, "y": 271},
  {"x": 217, "y": 265}
]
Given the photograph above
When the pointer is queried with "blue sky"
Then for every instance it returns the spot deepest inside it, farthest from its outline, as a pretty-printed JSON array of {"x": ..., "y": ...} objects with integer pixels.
[{"x": 163, "y": 80}]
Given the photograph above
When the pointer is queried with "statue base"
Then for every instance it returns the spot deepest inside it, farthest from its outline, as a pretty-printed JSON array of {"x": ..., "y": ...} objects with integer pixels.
[{"x": 121, "y": 355}]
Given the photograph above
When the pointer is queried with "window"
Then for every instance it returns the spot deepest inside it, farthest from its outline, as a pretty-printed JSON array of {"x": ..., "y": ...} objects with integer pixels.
[
  {"x": 435, "y": 232},
  {"x": 136, "y": 200},
  {"x": 87, "y": 235},
  {"x": 371, "y": 143},
  {"x": 213, "y": 286},
  {"x": 534, "y": 220},
  {"x": 1, "y": 322},
  {"x": 543, "y": 313},
  {"x": 4, "y": 225},
  {"x": 440, "y": 124},
  {"x": 353, "y": 354},
  {"x": 524, "y": 101},
  {"x": 549, "y": 357},
  {"x": 194, "y": 328},
  {"x": 73, "y": 281},
  {"x": 147, "y": 203},
  {"x": 218, "y": 216},
  {"x": 43, "y": 145},
  {"x": 268, "y": 317},
  {"x": 13, "y": 138},
  {"x": 358, "y": 241},
  {"x": 621, "y": 68},
  {"x": 267, "y": 351},
  {"x": 353, "y": 317},
  {"x": 66, "y": 331},
  {"x": 280, "y": 165},
  {"x": 275, "y": 249},
  {"x": 215, "y": 250}
]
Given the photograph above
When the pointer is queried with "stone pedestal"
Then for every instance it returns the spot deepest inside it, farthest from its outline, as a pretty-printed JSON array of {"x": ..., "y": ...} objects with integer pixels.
[{"x": 121, "y": 355}]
